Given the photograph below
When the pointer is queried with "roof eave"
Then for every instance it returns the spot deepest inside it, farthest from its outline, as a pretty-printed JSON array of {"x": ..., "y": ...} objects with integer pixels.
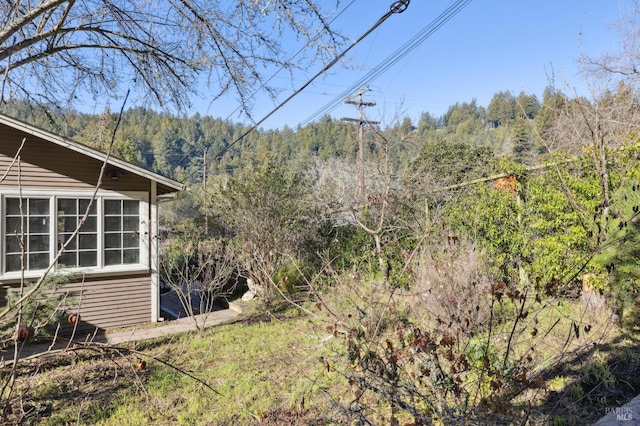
[{"x": 90, "y": 152}]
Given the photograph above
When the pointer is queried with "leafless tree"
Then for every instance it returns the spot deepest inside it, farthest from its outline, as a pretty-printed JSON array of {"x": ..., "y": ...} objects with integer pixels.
[
  {"x": 623, "y": 65},
  {"x": 53, "y": 51},
  {"x": 200, "y": 272},
  {"x": 337, "y": 189}
]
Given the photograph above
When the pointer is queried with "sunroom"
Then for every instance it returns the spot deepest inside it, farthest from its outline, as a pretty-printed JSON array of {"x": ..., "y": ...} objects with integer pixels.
[{"x": 48, "y": 186}]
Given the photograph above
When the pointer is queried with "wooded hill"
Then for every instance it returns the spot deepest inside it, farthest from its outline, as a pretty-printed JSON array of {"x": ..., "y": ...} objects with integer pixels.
[{"x": 174, "y": 146}]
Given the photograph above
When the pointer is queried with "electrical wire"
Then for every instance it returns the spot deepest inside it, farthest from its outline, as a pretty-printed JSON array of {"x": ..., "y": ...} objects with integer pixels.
[
  {"x": 398, "y": 6},
  {"x": 294, "y": 56},
  {"x": 191, "y": 151},
  {"x": 394, "y": 58}
]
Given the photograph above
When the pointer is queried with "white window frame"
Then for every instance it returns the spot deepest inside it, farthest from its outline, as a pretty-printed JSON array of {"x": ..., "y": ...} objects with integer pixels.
[{"x": 142, "y": 197}]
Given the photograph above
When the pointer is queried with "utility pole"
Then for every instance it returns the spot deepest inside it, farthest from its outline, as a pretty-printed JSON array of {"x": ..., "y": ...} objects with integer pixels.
[{"x": 356, "y": 99}]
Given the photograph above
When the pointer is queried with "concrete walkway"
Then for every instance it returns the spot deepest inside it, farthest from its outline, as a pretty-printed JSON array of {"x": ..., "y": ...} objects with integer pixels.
[
  {"x": 169, "y": 328},
  {"x": 120, "y": 338}
]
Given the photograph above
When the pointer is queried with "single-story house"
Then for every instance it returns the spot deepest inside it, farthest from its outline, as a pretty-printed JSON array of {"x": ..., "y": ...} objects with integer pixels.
[{"x": 45, "y": 189}]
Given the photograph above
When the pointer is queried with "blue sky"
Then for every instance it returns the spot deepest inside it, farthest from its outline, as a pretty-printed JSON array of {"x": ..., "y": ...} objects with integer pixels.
[{"x": 489, "y": 46}]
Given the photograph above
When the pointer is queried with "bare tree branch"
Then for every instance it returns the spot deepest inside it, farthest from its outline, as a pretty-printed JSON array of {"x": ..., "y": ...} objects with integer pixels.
[{"x": 161, "y": 49}]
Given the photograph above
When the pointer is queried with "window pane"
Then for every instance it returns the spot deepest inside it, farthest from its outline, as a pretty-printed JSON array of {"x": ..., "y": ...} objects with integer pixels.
[
  {"x": 36, "y": 233},
  {"x": 131, "y": 256},
  {"x": 38, "y": 206},
  {"x": 130, "y": 240},
  {"x": 131, "y": 207},
  {"x": 13, "y": 206},
  {"x": 83, "y": 207},
  {"x": 112, "y": 257},
  {"x": 112, "y": 241},
  {"x": 38, "y": 261},
  {"x": 121, "y": 226},
  {"x": 88, "y": 258},
  {"x": 13, "y": 262},
  {"x": 112, "y": 207},
  {"x": 131, "y": 223},
  {"x": 82, "y": 252},
  {"x": 113, "y": 223},
  {"x": 67, "y": 206},
  {"x": 91, "y": 225},
  {"x": 13, "y": 224},
  {"x": 38, "y": 243},
  {"x": 68, "y": 260},
  {"x": 68, "y": 224},
  {"x": 38, "y": 224},
  {"x": 88, "y": 241},
  {"x": 62, "y": 238},
  {"x": 13, "y": 244}
]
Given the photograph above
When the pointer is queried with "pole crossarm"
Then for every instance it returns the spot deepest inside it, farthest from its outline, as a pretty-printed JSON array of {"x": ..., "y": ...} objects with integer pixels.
[{"x": 357, "y": 120}]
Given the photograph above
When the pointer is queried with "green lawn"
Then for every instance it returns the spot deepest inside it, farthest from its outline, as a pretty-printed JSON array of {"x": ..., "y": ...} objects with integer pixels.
[{"x": 266, "y": 367}]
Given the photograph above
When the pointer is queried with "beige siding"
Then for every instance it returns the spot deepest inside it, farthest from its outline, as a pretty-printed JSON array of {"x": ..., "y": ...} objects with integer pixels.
[
  {"x": 104, "y": 304},
  {"x": 44, "y": 165},
  {"x": 113, "y": 302}
]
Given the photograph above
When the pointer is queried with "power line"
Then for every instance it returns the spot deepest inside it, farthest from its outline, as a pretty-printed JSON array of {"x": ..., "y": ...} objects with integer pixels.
[
  {"x": 398, "y": 6},
  {"x": 193, "y": 149},
  {"x": 394, "y": 58},
  {"x": 294, "y": 56}
]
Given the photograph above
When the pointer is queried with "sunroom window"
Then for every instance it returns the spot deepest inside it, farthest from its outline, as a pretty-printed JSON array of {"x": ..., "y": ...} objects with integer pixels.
[
  {"x": 121, "y": 232},
  {"x": 82, "y": 250},
  {"x": 27, "y": 227},
  {"x": 108, "y": 239}
]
